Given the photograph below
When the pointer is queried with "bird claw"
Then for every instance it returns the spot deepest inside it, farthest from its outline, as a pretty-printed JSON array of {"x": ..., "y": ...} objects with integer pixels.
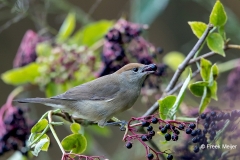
[{"x": 123, "y": 125}]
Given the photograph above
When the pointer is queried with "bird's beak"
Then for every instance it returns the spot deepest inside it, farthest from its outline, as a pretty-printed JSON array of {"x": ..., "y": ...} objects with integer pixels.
[{"x": 149, "y": 68}]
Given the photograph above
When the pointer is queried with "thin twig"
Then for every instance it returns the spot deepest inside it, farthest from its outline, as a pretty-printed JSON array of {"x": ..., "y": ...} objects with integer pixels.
[{"x": 191, "y": 54}]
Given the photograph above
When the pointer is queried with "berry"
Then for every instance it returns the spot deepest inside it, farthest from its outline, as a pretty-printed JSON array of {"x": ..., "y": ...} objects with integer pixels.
[
  {"x": 199, "y": 131},
  {"x": 144, "y": 138},
  {"x": 195, "y": 139},
  {"x": 174, "y": 137},
  {"x": 206, "y": 125},
  {"x": 145, "y": 124},
  {"x": 181, "y": 127},
  {"x": 154, "y": 120},
  {"x": 168, "y": 137},
  {"x": 167, "y": 126},
  {"x": 169, "y": 157},
  {"x": 213, "y": 133},
  {"x": 164, "y": 130},
  {"x": 160, "y": 127},
  {"x": 208, "y": 118},
  {"x": 188, "y": 131},
  {"x": 192, "y": 125},
  {"x": 203, "y": 116},
  {"x": 213, "y": 113},
  {"x": 176, "y": 131},
  {"x": 196, "y": 149},
  {"x": 219, "y": 116},
  {"x": 226, "y": 116},
  {"x": 205, "y": 131},
  {"x": 194, "y": 133},
  {"x": 152, "y": 133},
  {"x": 149, "y": 128},
  {"x": 150, "y": 156},
  {"x": 129, "y": 145}
]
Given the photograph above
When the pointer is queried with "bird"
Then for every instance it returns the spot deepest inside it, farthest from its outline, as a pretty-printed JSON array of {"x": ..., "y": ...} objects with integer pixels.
[{"x": 101, "y": 99}]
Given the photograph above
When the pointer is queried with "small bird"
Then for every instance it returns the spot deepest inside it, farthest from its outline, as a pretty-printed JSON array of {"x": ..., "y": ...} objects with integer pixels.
[{"x": 100, "y": 99}]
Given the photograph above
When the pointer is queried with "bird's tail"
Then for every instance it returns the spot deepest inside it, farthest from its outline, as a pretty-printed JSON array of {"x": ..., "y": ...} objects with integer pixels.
[{"x": 45, "y": 101}]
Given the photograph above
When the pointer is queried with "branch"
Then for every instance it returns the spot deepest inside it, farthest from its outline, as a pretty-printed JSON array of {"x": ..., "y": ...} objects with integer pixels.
[{"x": 190, "y": 55}]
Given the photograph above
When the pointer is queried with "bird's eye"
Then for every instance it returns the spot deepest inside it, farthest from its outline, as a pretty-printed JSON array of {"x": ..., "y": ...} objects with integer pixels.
[{"x": 135, "y": 69}]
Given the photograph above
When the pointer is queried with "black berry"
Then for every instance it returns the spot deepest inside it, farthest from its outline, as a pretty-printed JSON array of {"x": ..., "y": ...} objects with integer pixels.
[
  {"x": 196, "y": 149},
  {"x": 194, "y": 133},
  {"x": 203, "y": 116},
  {"x": 174, "y": 137},
  {"x": 152, "y": 133},
  {"x": 145, "y": 124},
  {"x": 164, "y": 130},
  {"x": 149, "y": 128},
  {"x": 181, "y": 127},
  {"x": 192, "y": 125},
  {"x": 129, "y": 145},
  {"x": 154, "y": 120},
  {"x": 169, "y": 157},
  {"x": 168, "y": 137},
  {"x": 188, "y": 131},
  {"x": 150, "y": 156},
  {"x": 144, "y": 138}
]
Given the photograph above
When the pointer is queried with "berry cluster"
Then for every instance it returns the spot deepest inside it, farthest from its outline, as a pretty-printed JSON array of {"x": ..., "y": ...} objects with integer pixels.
[
  {"x": 170, "y": 128},
  {"x": 14, "y": 130},
  {"x": 122, "y": 39}
]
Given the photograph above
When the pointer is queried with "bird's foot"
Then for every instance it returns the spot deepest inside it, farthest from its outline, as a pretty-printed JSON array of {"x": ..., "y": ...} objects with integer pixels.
[{"x": 122, "y": 124}]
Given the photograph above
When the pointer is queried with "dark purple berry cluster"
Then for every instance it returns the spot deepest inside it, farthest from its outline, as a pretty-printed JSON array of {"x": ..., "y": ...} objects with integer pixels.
[
  {"x": 170, "y": 129},
  {"x": 125, "y": 38},
  {"x": 15, "y": 130}
]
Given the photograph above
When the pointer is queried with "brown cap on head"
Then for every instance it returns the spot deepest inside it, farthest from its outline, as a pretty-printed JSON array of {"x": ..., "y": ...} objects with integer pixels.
[{"x": 129, "y": 67}]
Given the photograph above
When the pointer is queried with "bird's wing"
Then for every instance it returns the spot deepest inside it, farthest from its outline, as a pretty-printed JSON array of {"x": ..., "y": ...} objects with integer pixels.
[{"x": 92, "y": 91}]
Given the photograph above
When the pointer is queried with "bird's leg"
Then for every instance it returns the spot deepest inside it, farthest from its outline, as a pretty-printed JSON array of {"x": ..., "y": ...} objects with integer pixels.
[{"x": 117, "y": 122}]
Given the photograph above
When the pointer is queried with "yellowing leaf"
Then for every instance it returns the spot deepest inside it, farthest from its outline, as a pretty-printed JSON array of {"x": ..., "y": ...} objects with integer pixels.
[{"x": 198, "y": 28}]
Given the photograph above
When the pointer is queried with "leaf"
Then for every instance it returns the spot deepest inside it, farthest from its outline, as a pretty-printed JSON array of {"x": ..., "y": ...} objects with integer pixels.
[
  {"x": 197, "y": 88},
  {"x": 145, "y": 11},
  {"x": 215, "y": 43},
  {"x": 17, "y": 76},
  {"x": 213, "y": 90},
  {"x": 173, "y": 59},
  {"x": 75, "y": 127},
  {"x": 222, "y": 32},
  {"x": 39, "y": 126},
  {"x": 218, "y": 15},
  {"x": 214, "y": 74},
  {"x": 206, "y": 98},
  {"x": 198, "y": 28},
  {"x": 67, "y": 27},
  {"x": 76, "y": 143},
  {"x": 180, "y": 96},
  {"x": 42, "y": 144},
  {"x": 205, "y": 69},
  {"x": 165, "y": 105},
  {"x": 91, "y": 33}
]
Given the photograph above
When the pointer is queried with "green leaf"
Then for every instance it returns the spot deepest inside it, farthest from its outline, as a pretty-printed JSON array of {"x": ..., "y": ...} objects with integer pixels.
[
  {"x": 17, "y": 76},
  {"x": 67, "y": 27},
  {"x": 222, "y": 32},
  {"x": 76, "y": 143},
  {"x": 213, "y": 90},
  {"x": 215, "y": 43},
  {"x": 75, "y": 127},
  {"x": 180, "y": 96},
  {"x": 197, "y": 88},
  {"x": 165, "y": 105},
  {"x": 206, "y": 98},
  {"x": 173, "y": 59},
  {"x": 91, "y": 33},
  {"x": 214, "y": 74},
  {"x": 205, "y": 69},
  {"x": 42, "y": 144},
  {"x": 198, "y": 28},
  {"x": 39, "y": 126},
  {"x": 218, "y": 15}
]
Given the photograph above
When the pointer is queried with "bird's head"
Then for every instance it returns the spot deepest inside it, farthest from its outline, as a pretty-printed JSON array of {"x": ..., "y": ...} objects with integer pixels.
[{"x": 136, "y": 72}]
